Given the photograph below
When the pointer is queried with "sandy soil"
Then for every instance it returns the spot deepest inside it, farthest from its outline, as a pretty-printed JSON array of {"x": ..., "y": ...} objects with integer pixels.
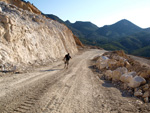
[{"x": 54, "y": 89}]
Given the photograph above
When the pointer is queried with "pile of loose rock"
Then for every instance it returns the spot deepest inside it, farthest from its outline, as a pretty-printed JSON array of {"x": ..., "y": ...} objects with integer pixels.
[{"x": 118, "y": 67}]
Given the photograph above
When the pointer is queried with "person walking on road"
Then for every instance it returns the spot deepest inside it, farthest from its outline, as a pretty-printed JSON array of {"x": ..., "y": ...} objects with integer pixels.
[{"x": 66, "y": 60}]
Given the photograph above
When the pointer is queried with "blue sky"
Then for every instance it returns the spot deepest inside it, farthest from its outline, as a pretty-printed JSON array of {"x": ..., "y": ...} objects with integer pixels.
[{"x": 99, "y": 12}]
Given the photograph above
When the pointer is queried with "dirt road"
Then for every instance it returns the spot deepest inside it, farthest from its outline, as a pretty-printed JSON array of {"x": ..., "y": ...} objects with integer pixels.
[{"x": 54, "y": 89}]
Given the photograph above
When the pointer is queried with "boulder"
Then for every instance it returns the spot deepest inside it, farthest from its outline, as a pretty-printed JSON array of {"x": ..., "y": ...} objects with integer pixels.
[
  {"x": 121, "y": 62},
  {"x": 146, "y": 94},
  {"x": 108, "y": 74},
  {"x": 145, "y": 73},
  {"x": 102, "y": 62},
  {"x": 112, "y": 63},
  {"x": 145, "y": 87},
  {"x": 146, "y": 100},
  {"x": 118, "y": 72},
  {"x": 116, "y": 75},
  {"x": 127, "y": 64},
  {"x": 123, "y": 70},
  {"x": 127, "y": 77},
  {"x": 136, "y": 89},
  {"x": 1, "y": 9},
  {"x": 136, "y": 81},
  {"x": 138, "y": 93},
  {"x": 125, "y": 86}
]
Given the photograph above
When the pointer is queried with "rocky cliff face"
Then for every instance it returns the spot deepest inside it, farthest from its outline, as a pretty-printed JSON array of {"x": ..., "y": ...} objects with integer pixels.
[
  {"x": 23, "y": 5},
  {"x": 78, "y": 42},
  {"x": 28, "y": 38}
]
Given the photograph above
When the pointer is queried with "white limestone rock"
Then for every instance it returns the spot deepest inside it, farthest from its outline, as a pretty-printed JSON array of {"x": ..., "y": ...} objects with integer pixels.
[
  {"x": 25, "y": 42},
  {"x": 1, "y": 10},
  {"x": 146, "y": 94},
  {"x": 118, "y": 72},
  {"x": 136, "y": 81},
  {"x": 146, "y": 100},
  {"x": 111, "y": 63},
  {"x": 108, "y": 74},
  {"x": 145, "y": 87},
  {"x": 127, "y": 77},
  {"x": 138, "y": 93},
  {"x": 102, "y": 62}
]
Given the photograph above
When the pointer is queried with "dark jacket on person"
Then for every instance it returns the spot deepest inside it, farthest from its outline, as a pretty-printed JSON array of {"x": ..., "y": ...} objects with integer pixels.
[{"x": 67, "y": 56}]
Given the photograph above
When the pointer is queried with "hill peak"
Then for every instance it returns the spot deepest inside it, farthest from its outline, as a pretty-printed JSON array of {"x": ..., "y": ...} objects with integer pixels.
[
  {"x": 125, "y": 22},
  {"x": 67, "y": 22},
  {"x": 83, "y": 22},
  {"x": 119, "y": 29}
]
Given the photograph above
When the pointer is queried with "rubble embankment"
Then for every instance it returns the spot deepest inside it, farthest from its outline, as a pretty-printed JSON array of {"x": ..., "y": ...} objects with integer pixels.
[{"x": 125, "y": 73}]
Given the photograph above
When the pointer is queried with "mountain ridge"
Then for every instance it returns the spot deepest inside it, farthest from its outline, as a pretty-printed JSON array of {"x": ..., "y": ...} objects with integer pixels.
[
  {"x": 122, "y": 35},
  {"x": 118, "y": 29}
]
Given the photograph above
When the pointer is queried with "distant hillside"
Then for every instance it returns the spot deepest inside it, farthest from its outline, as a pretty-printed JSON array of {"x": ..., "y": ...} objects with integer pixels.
[
  {"x": 119, "y": 29},
  {"x": 122, "y": 35},
  {"x": 137, "y": 44},
  {"x": 79, "y": 28},
  {"x": 84, "y": 27},
  {"x": 147, "y": 29},
  {"x": 54, "y": 18},
  {"x": 67, "y": 23}
]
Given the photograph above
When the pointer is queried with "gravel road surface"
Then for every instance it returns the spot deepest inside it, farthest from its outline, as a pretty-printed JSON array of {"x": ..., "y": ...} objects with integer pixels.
[{"x": 53, "y": 89}]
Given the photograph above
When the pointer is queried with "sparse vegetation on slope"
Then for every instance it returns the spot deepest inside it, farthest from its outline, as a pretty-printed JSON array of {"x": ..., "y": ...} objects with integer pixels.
[{"x": 122, "y": 35}]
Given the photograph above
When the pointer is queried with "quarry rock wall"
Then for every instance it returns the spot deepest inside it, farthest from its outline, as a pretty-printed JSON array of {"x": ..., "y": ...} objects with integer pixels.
[{"x": 29, "y": 38}]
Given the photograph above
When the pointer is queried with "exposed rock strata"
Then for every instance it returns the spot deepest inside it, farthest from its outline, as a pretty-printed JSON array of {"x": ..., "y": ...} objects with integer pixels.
[
  {"x": 78, "y": 42},
  {"x": 28, "y": 38},
  {"x": 30, "y": 7},
  {"x": 23, "y": 5}
]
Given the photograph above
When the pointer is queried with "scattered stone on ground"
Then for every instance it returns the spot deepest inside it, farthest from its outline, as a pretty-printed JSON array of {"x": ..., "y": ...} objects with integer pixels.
[{"x": 125, "y": 72}]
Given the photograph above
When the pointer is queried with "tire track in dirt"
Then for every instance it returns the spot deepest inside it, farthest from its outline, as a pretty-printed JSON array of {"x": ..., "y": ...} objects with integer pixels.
[
  {"x": 32, "y": 95},
  {"x": 61, "y": 93},
  {"x": 73, "y": 90},
  {"x": 76, "y": 88}
]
